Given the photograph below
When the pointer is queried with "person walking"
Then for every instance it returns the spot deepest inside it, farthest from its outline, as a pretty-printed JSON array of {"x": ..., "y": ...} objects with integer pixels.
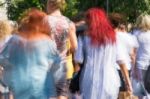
[
  {"x": 5, "y": 35},
  {"x": 99, "y": 51},
  {"x": 63, "y": 32},
  {"x": 32, "y": 65},
  {"x": 143, "y": 52},
  {"x": 129, "y": 45}
]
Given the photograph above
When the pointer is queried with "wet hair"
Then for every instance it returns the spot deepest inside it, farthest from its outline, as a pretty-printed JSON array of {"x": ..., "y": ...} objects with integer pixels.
[
  {"x": 5, "y": 29},
  {"x": 34, "y": 21},
  {"x": 99, "y": 27},
  {"x": 143, "y": 22}
]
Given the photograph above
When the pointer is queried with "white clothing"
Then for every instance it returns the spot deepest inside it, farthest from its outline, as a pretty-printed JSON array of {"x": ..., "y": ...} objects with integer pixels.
[
  {"x": 99, "y": 79},
  {"x": 136, "y": 31},
  {"x": 128, "y": 42},
  {"x": 143, "y": 51}
]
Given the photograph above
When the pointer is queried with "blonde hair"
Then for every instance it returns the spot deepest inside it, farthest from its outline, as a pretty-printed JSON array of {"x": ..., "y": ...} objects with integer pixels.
[
  {"x": 143, "y": 22},
  {"x": 55, "y": 4},
  {"x": 5, "y": 29}
]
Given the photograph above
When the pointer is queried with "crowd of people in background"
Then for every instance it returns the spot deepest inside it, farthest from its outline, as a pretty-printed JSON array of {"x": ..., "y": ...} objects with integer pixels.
[{"x": 94, "y": 56}]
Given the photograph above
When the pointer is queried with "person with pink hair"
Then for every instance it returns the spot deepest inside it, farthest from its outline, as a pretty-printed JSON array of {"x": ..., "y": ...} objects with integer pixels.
[{"x": 99, "y": 51}]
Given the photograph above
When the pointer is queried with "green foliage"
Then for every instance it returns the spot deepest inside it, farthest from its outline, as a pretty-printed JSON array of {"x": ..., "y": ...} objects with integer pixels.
[
  {"x": 16, "y": 8},
  {"x": 71, "y": 8},
  {"x": 130, "y": 8}
]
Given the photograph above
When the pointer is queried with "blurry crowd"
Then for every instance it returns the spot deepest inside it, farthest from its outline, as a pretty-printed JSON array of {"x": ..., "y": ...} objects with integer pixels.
[{"x": 45, "y": 55}]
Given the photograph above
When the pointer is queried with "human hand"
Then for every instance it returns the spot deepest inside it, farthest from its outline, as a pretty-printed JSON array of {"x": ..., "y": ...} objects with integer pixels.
[
  {"x": 77, "y": 68},
  {"x": 129, "y": 87}
]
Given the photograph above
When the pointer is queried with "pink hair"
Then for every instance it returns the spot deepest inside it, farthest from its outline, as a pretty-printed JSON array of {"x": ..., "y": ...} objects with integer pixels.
[{"x": 99, "y": 27}]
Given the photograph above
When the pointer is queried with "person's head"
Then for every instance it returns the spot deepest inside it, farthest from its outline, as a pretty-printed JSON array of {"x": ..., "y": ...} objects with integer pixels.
[
  {"x": 78, "y": 17},
  {"x": 99, "y": 27},
  {"x": 34, "y": 21},
  {"x": 143, "y": 22},
  {"x": 118, "y": 21},
  {"x": 53, "y": 5},
  {"x": 5, "y": 29}
]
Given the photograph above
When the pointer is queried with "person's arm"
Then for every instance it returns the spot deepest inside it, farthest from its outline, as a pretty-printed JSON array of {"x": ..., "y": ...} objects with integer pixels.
[
  {"x": 76, "y": 67},
  {"x": 79, "y": 54},
  {"x": 73, "y": 37},
  {"x": 133, "y": 56},
  {"x": 121, "y": 62},
  {"x": 125, "y": 74}
]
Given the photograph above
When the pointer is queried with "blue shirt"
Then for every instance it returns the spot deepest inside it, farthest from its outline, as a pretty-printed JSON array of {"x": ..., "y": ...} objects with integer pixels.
[{"x": 30, "y": 68}]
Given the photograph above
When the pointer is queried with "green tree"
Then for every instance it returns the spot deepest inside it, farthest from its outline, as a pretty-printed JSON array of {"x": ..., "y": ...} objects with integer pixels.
[
  {"x": 130, "y": 8},
  {"x": 71, "y": 8},
  {"x": 16, "y": 8}
]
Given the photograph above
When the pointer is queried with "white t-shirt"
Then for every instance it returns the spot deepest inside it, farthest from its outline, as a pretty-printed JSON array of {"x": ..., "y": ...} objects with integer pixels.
[
  {"x": 143, "y": 51},
  {"x": 127, "y": 42}
]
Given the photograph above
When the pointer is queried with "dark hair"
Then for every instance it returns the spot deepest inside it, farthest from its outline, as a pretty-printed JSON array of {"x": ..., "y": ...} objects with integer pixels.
[
  {"x": 117, "y": 20},
  {"x": 78, "y": 17}
]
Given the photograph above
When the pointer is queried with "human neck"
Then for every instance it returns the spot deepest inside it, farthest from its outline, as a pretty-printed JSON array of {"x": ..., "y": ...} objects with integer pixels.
[{"x": 56, "y": 13}]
